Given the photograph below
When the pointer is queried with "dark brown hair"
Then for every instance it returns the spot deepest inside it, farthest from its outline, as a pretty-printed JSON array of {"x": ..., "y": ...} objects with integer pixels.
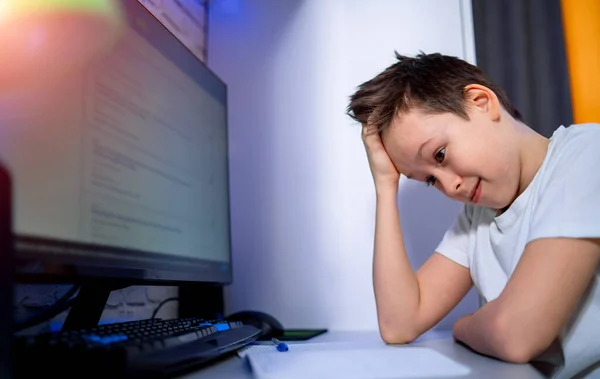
[{"x": 434, "y": 83}]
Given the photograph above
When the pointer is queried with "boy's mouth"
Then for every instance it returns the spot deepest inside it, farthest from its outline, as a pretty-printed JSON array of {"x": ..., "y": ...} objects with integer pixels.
[{"x": 476, "y": 192}]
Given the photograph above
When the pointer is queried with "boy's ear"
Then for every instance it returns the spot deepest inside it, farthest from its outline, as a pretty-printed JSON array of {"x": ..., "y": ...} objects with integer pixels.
[{"x": 482, "y": 99}]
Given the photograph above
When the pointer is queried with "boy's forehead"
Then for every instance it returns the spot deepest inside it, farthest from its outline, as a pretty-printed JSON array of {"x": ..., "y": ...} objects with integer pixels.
[
  {"x": 412, "y": 130},
  {"x": 403, "y": 148}
]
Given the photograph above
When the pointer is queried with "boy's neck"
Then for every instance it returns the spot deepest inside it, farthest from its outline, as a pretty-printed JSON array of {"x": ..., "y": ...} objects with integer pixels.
[{"x": 533, "y": 150}]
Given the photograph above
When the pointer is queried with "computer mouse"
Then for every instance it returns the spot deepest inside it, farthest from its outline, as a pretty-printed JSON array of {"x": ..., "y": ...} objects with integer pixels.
[{"x": 270, "y": 327}]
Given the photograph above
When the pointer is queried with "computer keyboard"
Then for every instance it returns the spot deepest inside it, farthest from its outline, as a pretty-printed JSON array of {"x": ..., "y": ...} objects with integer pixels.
[{"x": 137, "y": 349}]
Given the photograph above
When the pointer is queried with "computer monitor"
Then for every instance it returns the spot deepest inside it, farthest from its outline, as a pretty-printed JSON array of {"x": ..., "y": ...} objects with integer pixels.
[{"x": 120, "y": 169}]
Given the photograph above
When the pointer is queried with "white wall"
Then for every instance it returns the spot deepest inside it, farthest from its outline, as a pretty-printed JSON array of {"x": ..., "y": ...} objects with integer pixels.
[{"x": 301, "y": 191}]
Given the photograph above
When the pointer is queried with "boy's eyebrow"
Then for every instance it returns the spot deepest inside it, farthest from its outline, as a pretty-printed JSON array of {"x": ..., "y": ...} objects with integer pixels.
[
  {"x": 423, "y": 145},
  {"x": 420, "y": 152}
]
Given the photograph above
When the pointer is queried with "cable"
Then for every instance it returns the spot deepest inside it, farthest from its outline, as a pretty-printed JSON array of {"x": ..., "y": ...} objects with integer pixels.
[
  {"x": 62, "y": 304},
  {"x": 159, "y": 306}
]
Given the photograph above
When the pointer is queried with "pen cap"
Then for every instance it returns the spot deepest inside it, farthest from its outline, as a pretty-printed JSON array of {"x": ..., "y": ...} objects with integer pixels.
[
  {"x": 41, "y": 39},
  {"x": 282, "y": 347}
]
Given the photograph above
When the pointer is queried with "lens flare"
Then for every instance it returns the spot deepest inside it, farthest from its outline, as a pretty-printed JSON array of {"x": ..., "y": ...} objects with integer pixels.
[{"x": 42, "y": 39}]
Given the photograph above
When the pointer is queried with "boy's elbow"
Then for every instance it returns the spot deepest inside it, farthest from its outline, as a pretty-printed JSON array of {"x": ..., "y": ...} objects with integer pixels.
[
  {"x": 516, "y": 354},
  {"x": 393, "y": 336},
  {"x": 517, "y": 346},
  {"x": 521, "y": 351}
]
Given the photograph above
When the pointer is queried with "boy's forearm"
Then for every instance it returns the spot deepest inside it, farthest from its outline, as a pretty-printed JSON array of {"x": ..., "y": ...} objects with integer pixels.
[
  {"x": 395, "y": 283},
  {"x": 483, "y": 332},
  {"x": 476, "y": 333}
]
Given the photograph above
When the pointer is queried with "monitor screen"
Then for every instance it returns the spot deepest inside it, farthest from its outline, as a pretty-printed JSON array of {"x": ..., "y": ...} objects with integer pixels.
[{"x": 120, "y": 169}]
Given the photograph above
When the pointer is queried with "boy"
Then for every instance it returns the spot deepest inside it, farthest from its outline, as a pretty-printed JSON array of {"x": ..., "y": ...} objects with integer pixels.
[{"x": 528, "y": 236}]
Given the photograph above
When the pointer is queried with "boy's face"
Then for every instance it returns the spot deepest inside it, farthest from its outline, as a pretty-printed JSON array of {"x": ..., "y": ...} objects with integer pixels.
[{"x": 475, "y": 161}]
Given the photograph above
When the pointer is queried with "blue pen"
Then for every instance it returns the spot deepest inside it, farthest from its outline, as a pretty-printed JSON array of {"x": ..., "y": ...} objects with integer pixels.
[{"x": 280, "y": 345}]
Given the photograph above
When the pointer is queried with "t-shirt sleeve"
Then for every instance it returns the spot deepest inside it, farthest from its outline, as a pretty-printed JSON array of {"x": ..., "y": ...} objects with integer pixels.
[
  {"x": 455, "y": 243},
  {"x": 569, "y": 202}
]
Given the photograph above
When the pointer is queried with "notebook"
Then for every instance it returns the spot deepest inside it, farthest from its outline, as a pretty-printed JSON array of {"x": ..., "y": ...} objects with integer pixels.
[{"x": 326, "y": 362}]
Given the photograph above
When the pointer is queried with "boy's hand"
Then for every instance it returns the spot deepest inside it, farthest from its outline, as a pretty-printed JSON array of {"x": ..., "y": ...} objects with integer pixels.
[{"x": 383, "y": 170}]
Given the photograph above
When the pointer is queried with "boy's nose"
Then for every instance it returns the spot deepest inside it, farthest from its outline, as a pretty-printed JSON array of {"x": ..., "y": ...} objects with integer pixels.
[{"x": 451, "y": 184}]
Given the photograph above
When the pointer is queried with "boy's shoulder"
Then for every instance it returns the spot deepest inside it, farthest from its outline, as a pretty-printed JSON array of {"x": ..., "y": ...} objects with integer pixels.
[
  {"x": 564, "y": 201},
  {"x": 575, "y": 134},
  {"x": 573, "y": 147}
]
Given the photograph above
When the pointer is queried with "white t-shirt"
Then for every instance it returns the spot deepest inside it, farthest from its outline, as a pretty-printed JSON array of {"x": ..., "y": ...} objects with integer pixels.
[{"x": 563, "y": 200}]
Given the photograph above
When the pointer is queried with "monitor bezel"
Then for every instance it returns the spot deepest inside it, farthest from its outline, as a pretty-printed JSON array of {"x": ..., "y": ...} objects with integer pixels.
[{"x": 46, "y": 260}]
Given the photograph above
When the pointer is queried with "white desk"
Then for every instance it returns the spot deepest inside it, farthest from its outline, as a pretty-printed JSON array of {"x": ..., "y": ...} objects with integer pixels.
[{"x": 442, "y": 342}]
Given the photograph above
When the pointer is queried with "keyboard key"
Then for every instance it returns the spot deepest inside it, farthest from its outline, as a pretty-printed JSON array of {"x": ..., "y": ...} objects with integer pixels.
[{"x": 221, "y": 326}]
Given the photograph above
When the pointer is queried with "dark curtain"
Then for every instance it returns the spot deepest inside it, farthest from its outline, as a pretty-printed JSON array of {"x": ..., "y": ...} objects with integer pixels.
[{"x": 520, "y": 45}]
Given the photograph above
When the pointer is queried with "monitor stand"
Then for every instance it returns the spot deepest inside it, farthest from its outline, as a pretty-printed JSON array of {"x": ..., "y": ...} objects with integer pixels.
[
  {"x": 89, "y": 304},
  {"x": 6, "y": 273}
]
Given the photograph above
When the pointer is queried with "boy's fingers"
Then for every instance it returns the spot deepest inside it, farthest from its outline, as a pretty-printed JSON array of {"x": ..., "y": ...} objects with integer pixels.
[
  {"x": 364, "y": 133},
  {"x": 368, "y": 131}
]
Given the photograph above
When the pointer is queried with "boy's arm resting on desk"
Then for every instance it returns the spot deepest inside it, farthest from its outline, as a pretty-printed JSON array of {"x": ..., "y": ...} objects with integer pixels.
[
  {"x": 409, "y": 303},
  {"x": 542, "y": 294},
  {"x": 441, "y": 282}
]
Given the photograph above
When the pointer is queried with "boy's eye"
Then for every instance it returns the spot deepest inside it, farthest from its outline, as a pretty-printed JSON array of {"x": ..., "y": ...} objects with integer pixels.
[
  {"x": 430, "y": 181},
  {"x": 440, "y": 155}
]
